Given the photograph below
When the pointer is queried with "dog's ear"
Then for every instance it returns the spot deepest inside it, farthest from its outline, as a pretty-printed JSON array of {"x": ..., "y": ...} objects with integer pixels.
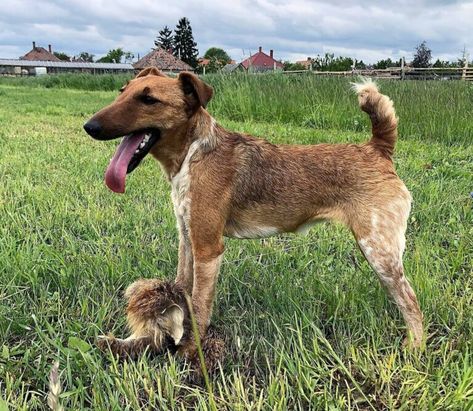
[
  {"x": 150, "y": 71},
  {"x": 194, "y": 87}
]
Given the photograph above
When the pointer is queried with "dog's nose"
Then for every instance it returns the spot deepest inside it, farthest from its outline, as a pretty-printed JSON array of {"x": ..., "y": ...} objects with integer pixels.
[{"x": 93, "y": 128}]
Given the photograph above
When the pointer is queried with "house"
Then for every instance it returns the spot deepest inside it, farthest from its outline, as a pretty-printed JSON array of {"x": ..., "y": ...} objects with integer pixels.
[
  {"x": 40, "y": 54},
  {"x": 205, "y": 63},
  {"x": 261, "y": 61},
  {"x": 10, "y": 67},
  {"x": 162, "y": 60},
  {"x": 307, "y": 64},
  {"x": 233, "y": 68}
]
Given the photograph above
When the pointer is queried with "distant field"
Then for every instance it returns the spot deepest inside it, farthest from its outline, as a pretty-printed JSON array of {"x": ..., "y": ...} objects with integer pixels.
[{"x": 306, "y": 322}]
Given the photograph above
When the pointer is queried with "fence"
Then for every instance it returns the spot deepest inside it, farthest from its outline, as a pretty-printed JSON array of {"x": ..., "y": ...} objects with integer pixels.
[{"x": 401, "y": 73}]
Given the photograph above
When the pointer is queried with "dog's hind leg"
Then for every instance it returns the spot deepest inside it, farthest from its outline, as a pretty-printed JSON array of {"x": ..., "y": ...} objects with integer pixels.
[{"x": 380, "y": 234}]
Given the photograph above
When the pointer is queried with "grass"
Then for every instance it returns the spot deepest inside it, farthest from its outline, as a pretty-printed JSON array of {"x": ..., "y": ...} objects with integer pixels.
[{"x": 306, "y": 322}]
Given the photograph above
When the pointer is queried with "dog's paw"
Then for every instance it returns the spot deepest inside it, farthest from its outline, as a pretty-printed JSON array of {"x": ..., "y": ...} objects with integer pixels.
[{"x": 213, "y": 350}]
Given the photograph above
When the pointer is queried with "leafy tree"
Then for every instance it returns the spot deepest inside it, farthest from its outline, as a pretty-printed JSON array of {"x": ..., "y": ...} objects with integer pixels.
[
  {"x": 447, "y": 64},
  {"x": 360, "y": 65},
  {"x": 116, "y": 56},
  {"x": 386, "y": 63},
  {"x": 62, "y": 56},
  {"x": 128, "y": 56},
  {"x": 289, "y": 66},
  {"x": 165, "y": 39},
  {"x": 185, "y": 47},
  {"x": 83, "y": 55},
  {"x": 422, "y": 56},
  {"x": 217, "y": 54},
  {"x": 217, "y": 57},
  {"x": 331, "y": 63}
]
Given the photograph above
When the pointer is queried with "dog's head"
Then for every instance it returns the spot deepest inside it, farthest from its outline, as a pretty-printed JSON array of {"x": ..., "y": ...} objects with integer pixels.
[{"x": 147, "y": 106}]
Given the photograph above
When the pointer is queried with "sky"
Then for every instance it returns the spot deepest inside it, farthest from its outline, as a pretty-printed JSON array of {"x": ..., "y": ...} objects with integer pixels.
[{"x": 295, "y": 29}]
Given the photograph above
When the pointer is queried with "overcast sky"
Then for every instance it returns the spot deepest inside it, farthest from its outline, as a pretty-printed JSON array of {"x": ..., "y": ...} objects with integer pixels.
[{"x": 295, "y": 29}]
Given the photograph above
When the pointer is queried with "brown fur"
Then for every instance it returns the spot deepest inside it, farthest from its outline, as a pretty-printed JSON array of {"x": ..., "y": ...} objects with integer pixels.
[{"x": 231, "y": 184}]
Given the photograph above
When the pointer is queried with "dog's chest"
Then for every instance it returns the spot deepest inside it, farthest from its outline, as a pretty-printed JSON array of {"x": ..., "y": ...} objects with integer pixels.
[{"x": 180, "y": 186}]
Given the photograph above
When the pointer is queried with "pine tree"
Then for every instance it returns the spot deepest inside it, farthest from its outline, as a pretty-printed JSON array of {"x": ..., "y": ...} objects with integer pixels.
[
  {"x": 422, "y": 56},
  {"x": 185, "y": 47},
  {"x": 165, "y": 39}
]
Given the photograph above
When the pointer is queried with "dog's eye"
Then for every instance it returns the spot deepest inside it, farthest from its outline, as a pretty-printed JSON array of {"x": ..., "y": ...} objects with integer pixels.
[{"x": 148, "y": 100}]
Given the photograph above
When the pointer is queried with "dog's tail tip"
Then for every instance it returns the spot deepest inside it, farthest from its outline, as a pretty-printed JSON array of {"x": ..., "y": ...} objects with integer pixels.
[
  {"x": 364, "y": 85},
  {"x": 381, "y": 111}
]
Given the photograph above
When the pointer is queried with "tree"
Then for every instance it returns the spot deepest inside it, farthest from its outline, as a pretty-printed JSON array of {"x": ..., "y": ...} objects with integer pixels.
[
  {"x": 115, "y": 56},
  {"x": 165, "y": 39},
  {"x": 217, "y": 54},
  {"x": 184, "y": 45},
  {"x": 331, "y": 63},
  {"x": 446, "y": 64},
  {"x": 386, "y": 63},
  {"x": 422, "y": 56},
  {"x": 62, "y": 56},
  {"x": 84, "y": 56},
  {"x": 128, "y": 56},
  {"x": 289, "y": 66},
  {"x": 217, "y": 59}
]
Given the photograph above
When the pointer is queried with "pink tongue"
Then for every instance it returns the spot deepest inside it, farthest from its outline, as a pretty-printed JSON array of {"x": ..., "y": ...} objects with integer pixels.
[{"x": 116, "y": 170}]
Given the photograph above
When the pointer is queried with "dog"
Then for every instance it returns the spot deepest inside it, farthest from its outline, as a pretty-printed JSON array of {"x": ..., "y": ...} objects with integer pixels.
[{"x": 230, "y": 184}]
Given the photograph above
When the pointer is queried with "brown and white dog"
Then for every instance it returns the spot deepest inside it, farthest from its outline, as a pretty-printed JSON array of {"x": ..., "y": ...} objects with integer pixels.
[{"x": 231, "y": 184}]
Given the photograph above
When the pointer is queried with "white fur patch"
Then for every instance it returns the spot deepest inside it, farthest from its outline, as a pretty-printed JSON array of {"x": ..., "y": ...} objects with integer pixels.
[
  {"x": 250, "y": 232},
  {"x": 365, "y": 84},
  {"x": 304, "y": 228},
  {"x": 180, "y": 184}
]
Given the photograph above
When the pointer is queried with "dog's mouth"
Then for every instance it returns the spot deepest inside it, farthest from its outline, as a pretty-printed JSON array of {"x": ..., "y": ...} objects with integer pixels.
[{"x": 128, "y": 156}]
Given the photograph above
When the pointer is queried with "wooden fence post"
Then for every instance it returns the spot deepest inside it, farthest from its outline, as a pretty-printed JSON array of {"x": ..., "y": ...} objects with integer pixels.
[
  {"x": 465, "y": 68},
  {"x": 403, "y": 74}
]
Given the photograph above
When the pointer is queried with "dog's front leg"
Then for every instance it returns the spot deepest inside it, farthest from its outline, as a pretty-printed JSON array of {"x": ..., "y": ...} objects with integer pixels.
[
  {"x": 207, "y": 260},
  {"x": 185, "y": 267}
]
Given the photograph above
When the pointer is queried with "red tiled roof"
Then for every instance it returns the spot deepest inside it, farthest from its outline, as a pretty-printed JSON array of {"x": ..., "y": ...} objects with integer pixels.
[
  {"x": 162, "y": 60},
  {"x": 261, "y": 60},
  {"x": 39, "y": 54}
]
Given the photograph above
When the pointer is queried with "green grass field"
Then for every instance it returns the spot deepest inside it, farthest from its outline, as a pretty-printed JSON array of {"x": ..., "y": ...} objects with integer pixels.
[{"x": 306, "y": 322}]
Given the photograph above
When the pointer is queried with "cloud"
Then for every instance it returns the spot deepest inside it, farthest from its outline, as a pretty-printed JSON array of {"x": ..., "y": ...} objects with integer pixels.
[{"x": 293, "y": 28}]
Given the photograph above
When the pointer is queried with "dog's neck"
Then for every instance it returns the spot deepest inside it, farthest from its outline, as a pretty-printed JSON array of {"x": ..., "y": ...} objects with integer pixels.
[{"x": 174, "y": 145}]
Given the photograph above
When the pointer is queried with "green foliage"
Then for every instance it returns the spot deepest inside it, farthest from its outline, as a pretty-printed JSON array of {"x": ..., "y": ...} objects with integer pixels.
[
  {"x": 79, "y": 81},
  {"x": 288, "y": 66},
  {"x": 116, "y": 56},
  {"x": 306, "y": 322},
  {"x": 360, "y": 65},
  {"x": 422, "y": 56},
  {"x": 331, "y": 63},
  {"x": 218, "y": 54},
  {"x": 387, "y": 63},
  {"x": 184, "y": 45},
  {"x": 85, "y": 56},
  {"x": 447, "y": 64},
  {"x": 165, "y": 39},
  {"x": 62, "y": 56}
]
